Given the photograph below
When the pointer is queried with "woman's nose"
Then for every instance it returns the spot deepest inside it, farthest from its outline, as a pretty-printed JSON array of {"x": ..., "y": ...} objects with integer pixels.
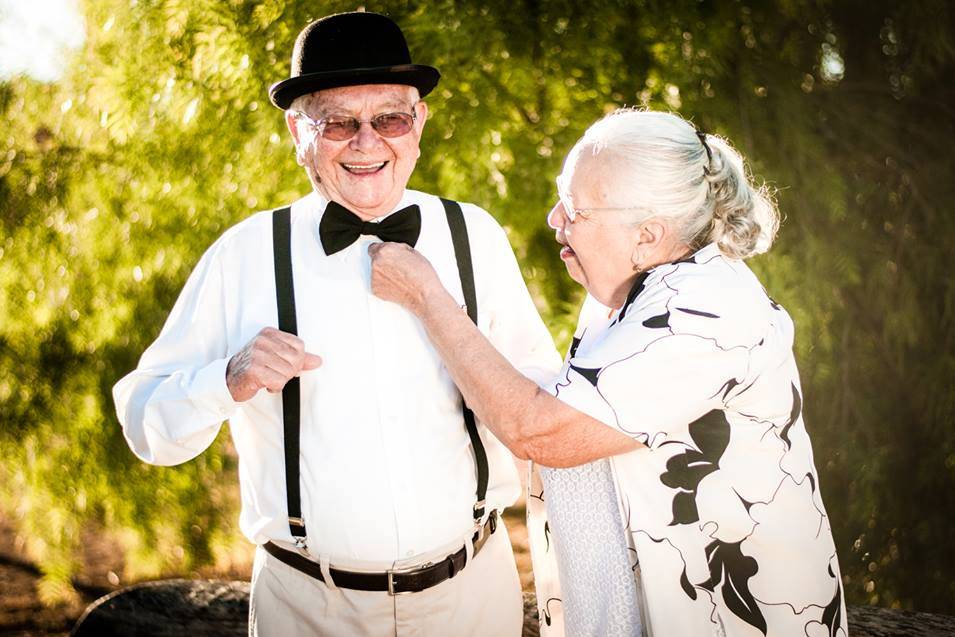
[{"x": 556, "y": 217}]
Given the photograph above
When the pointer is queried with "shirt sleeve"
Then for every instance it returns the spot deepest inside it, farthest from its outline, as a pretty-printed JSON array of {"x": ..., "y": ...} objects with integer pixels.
[
  {"x": 172, "y": 405},
  {"x": 514, "y": 325},
  {"x": 651, "y": 374}
]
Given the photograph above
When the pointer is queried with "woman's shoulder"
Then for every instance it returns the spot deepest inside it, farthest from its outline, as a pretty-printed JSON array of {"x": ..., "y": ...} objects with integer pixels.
[{"x": 707, "y": 295}]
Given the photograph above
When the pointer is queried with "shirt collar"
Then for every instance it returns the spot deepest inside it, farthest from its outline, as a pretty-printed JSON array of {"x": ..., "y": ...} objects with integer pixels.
[{"x": 701, "y": 256}]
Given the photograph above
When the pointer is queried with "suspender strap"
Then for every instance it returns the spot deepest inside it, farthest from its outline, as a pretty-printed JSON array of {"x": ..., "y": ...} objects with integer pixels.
[
  {"x": 291, "y": 395},
  {"x": 462, "y": 253}
]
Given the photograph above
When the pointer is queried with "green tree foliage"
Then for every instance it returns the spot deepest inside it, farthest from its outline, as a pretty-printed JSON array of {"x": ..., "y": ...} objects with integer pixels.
[{"x": 114, "y": 180}]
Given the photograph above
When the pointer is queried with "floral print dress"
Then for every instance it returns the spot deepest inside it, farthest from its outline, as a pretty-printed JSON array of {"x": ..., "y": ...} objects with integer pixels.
[{"x": 722, "y": 508}]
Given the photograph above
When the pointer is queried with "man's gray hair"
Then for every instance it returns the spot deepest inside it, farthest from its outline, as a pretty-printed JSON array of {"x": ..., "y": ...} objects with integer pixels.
[{"x": 304, "y": 103}]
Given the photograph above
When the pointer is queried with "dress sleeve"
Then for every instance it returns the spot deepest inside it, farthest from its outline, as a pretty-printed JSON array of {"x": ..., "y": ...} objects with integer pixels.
[
  {"x": 172, "y": 405},
  {"x": 655, "y": 370}
]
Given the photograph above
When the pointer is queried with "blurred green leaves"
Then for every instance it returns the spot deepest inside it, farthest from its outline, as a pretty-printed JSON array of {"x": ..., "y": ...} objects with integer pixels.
[{"x": 114, "y": 180}]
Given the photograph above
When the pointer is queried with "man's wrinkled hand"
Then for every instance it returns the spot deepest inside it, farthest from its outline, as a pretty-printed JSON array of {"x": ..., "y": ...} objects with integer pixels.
[
  {"x": 402, "y": 275},
  {"x": 268, "y": 361}
]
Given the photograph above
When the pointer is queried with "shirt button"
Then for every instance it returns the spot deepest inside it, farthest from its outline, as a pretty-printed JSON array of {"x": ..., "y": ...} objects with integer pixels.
[{"x": 409, "y": 553}]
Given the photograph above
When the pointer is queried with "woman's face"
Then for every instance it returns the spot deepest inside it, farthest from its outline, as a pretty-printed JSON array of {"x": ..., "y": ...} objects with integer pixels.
[{"x": 593, "y": 228}]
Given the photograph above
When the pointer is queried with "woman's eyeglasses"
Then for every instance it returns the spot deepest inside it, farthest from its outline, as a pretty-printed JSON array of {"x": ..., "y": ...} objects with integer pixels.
[
  {"x": 572, "y": 213},
  {"x": 338, "y": 128}
]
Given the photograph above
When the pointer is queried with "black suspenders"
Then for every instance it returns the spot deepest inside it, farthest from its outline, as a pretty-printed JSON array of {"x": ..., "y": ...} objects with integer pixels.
[
  {"x": 462, "y": 254},
  {"x": 291, "y": 396}
]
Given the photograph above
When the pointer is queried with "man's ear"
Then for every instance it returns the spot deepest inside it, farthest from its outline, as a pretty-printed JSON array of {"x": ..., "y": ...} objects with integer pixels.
[
  {"x": 293, "y": 130},
  {"x": 421, "y": 114}
]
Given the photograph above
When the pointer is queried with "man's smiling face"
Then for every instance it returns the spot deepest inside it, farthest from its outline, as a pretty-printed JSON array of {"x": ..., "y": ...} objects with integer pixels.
[{"x": 367, "y": 173}]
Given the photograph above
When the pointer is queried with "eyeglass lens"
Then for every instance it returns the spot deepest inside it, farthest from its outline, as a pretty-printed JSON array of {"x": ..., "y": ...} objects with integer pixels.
[
  {"x": 564, "y": 199},
  {"x": 386, "y": 125}
]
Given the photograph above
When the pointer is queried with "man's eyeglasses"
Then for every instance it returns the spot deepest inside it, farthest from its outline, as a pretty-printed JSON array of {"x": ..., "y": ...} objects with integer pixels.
[
  {"x": 338, "y": 128},
  {"x": 571, "y": 213}
]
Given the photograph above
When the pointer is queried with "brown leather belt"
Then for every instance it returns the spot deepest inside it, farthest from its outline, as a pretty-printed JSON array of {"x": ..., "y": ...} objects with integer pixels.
[{"x": 395, "y": 581}]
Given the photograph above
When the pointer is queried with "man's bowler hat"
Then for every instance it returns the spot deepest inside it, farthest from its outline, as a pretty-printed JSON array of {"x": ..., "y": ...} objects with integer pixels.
[{"x": 347, "y": 49}]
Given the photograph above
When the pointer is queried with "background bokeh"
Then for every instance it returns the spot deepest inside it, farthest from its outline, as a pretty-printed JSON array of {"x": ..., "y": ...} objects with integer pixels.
[{"x": 159, "y": 136}]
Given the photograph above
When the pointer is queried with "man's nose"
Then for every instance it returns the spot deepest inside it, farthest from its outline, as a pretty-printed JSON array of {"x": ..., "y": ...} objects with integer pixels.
[{"x": 366, "y": 137}]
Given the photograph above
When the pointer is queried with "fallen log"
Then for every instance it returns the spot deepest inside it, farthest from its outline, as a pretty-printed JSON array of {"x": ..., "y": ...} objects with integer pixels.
[{"x": 206, "y": 608}]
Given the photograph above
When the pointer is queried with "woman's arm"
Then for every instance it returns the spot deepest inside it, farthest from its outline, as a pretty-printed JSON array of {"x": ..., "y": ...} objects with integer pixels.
[{"x": 532, "y": 423}]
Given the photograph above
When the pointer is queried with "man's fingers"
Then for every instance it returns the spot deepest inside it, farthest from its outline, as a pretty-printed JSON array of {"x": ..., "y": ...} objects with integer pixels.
[
  {"x": 279, "y": 365},
  {"x": 268, "y": 361},
  {"x": 312, "y": 361},
  {"x": 285, "y": 340},
  {"x": 282, "y": 350},
  {"x": 271, "y": 380}
]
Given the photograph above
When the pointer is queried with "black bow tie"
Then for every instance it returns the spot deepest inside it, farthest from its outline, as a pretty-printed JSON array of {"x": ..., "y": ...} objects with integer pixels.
[{"x": 340, "y": 227}]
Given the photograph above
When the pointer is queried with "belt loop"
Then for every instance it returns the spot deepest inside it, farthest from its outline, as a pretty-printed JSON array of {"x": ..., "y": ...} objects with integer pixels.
[
  {"x": 468, "y": 550},
  {"x": 326, "y": 572},
  {"x": 451, "y": 569}
]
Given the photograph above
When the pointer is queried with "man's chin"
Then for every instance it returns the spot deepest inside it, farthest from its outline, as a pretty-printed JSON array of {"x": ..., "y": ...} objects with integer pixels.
[
  {"x": 368, "y": 207},
  {"x": 365, "y": 204}
]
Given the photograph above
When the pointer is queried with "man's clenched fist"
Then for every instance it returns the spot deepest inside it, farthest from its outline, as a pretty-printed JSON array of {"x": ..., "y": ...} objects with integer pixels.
[{"x": 268, "y": 361}]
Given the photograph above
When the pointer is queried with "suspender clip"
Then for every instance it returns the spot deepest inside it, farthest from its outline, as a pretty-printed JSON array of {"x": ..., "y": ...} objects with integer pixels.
[{"x": 297, "y": 528}]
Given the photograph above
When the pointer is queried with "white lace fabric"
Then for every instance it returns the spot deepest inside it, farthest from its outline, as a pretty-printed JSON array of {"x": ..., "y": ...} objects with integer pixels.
[{"x": 593, "y": 559}]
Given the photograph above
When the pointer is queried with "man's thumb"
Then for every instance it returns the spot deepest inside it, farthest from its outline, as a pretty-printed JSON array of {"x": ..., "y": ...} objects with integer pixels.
[{"x": 312, "y": 361}]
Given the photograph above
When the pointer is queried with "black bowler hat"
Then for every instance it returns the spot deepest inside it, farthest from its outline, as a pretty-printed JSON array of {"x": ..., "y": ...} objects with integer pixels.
[{"x": 347, "y": 49}]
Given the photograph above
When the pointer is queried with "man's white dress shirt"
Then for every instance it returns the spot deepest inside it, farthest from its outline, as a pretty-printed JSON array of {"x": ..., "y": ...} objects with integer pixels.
[{"x": 387, "y": 470}]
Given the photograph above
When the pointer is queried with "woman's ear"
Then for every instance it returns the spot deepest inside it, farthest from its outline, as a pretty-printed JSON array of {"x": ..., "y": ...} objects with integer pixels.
[{"x": 651, "y": 236}]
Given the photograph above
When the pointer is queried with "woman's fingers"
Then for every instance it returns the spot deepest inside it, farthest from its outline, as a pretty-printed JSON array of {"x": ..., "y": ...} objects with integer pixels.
[{"x": 399, "y": 273}]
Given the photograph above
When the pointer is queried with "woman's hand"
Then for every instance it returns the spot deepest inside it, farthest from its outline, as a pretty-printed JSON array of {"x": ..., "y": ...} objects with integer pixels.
[{"x": 400, "y": 274}]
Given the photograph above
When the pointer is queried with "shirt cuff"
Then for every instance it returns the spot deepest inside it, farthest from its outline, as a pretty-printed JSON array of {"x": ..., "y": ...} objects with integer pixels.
[{"x": 209, "y": 389}]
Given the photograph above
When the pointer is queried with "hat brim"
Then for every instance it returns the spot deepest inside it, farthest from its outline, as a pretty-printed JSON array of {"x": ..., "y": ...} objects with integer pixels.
[{"x": 424, "y": 78}]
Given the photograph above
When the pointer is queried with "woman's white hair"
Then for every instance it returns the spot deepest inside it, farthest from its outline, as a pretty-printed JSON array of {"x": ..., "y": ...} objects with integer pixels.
[{"x": 657, "y": 162}]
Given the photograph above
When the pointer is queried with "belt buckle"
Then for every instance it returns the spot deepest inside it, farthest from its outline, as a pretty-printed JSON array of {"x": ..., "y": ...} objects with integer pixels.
[{"x": 390, "y": 573}]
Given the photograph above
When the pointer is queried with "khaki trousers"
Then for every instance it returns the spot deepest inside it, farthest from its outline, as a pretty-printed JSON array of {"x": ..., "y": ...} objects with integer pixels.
[{"x": 483, "y": 600}]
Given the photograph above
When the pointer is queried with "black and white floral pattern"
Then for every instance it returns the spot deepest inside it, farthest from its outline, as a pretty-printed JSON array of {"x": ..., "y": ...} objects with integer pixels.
[{"x": 722, "y": 507}]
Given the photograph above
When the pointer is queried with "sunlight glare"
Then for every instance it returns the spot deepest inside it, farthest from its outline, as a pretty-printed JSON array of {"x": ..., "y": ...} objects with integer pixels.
[{"x": 36, "y": 37}]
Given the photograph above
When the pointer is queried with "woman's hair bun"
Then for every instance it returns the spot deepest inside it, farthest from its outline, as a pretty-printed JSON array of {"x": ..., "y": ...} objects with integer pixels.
[{"x": 744, "y": 219}]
